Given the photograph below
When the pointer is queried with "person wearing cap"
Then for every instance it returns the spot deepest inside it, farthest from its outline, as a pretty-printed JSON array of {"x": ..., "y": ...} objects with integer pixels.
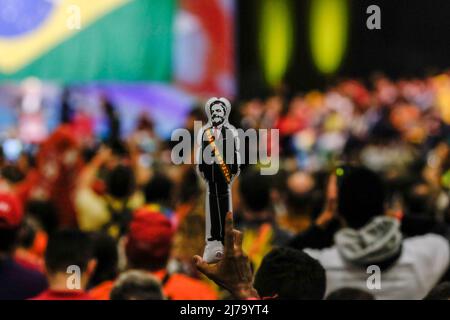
[
  {"x": 16, "y": 281},
  {"x": 147, "y": 247}
]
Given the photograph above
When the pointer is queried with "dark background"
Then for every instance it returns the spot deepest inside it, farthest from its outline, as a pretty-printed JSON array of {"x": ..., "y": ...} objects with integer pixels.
[{"x": 414, "y": 40}]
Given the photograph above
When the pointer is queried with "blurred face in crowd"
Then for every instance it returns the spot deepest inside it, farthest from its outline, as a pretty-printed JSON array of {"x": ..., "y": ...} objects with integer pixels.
[
  {"x": 300, "y": 182},
  {"x": 4, "y": 185},
  {"x": 419, "y": 200},
  {"x": 299, "y": 194},
  {"x": 386, "y": 91},
  {"x": 274, "y": 105}
]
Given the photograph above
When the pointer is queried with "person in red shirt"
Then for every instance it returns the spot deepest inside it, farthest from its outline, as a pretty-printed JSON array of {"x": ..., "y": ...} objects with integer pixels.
[
  {"x": 17, "y": 282},
  {"x": 69, "y": 265},
  {"x": 148, "y": 245},
  {"x": 31, "y": 245}
]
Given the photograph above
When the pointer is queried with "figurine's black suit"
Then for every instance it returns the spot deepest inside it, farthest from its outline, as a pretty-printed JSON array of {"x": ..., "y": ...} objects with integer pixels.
[
  {"x": 225, "y": 138},
  {"x": 219, "y": 197}
]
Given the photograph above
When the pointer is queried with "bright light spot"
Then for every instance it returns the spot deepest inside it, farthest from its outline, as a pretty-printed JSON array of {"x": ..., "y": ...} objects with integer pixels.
[
  {"x": 275, "y": 38},
  {"x": 328, "y": 33}
]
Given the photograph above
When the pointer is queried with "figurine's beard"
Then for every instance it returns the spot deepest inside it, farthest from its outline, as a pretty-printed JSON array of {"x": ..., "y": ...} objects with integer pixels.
[{"x": 217, "y": 121}]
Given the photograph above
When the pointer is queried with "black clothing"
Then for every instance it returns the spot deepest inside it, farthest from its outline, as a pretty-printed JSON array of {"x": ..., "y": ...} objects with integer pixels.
[{"x": 219, "y": 196}]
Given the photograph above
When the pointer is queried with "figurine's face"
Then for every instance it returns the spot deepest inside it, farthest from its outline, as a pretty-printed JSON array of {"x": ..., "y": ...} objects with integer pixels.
[{"x": 217, "y": 114}]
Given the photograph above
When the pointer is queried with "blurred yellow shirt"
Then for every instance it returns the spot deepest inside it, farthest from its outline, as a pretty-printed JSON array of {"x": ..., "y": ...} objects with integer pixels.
[
  {"x": 257, "y": 243},
  {"x": 92, "y": 208}
]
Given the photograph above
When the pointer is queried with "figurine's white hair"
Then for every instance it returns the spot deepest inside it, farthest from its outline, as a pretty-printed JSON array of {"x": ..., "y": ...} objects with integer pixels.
[{"x": 215, "y": 100}]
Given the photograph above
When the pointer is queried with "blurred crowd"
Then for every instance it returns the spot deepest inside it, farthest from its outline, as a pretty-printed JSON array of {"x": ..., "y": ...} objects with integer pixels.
[{"x": 363, "y": 190}]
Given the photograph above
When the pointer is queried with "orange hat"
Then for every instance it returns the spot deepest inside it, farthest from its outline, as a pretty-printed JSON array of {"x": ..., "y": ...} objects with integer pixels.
[{"x": 11, "y": 212}]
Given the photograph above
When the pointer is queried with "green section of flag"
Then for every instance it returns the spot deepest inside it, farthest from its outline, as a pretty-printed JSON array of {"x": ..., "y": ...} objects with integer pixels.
[{"x": 131, "y": 43}]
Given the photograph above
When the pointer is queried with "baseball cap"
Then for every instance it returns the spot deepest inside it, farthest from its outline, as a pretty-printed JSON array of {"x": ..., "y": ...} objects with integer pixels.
[
  {"x": 11, "y": 211},
  {"x": 150, "y": 236}
]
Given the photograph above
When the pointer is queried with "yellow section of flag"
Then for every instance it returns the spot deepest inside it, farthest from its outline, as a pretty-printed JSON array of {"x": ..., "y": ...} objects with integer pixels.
[{"x": 17, "y": 52}]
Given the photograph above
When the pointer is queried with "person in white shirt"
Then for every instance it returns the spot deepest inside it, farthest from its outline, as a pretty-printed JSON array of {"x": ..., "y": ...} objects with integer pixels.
[{"x": 370, "y": 253}]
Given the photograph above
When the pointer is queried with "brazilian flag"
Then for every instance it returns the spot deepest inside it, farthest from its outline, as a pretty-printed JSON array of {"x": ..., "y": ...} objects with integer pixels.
[{"x": 84, "y": 40}]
